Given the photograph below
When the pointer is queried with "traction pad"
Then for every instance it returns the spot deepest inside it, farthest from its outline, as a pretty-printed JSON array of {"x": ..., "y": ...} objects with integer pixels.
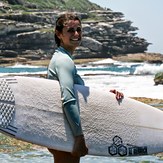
[{"x": 7, "y": 104}]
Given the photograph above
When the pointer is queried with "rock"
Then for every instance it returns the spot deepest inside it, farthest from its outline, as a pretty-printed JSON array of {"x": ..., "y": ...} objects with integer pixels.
[
  {"x": 4, "y": 6},
  {"x": 110, "y": 14},
  {"x": 92, "y": 44},
  {"x": 9, "y": 53},
  {"x": 24, "y": 32},
  {"x": 7, "y": 60},
  {"x": 11, "y": 27},
  {"x": 104, "y": 26},
  {"x": 33, "y": 54},
  {"x": 30, "y": 5},
  {"x": 32, "y": 57},
  {"x": 141, "y": 57},
  {"x": 20, "y": 2},
  {"x": 21, "y": 59},
  {"x": 158, "y": 78},
  {"x": 81, "y": 52}
]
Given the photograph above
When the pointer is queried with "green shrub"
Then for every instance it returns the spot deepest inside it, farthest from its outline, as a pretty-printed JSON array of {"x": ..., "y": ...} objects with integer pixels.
[
  {"x": 18, "y": 7},
  {"x": 79, "y": 5},
  {"x": 159, "y": 75}
]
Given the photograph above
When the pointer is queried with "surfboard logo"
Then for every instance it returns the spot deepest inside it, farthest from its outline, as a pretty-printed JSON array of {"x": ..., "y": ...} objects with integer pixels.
[{"x": 118, "y": 148}]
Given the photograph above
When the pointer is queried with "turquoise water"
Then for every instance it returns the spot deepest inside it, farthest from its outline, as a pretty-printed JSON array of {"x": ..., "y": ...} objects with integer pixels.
[
  {"x": 123, "y": 68},
  {"x": 43, "y": 156},
  {"x": 18, "y": 69}
]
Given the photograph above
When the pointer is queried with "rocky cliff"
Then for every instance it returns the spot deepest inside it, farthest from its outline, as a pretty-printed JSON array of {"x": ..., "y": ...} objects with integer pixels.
[{"x": 29, "y": 35}]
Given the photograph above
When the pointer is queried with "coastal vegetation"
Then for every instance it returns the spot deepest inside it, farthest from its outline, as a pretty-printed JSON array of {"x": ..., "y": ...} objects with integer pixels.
[
  {"x": 29, "y": 6},
  {"x": 158, "y": 78},
  {"x": 77, "y": 5}
]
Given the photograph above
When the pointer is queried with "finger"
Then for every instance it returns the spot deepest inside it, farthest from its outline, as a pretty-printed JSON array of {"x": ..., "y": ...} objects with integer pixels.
[{"x": 120, "y": 95}]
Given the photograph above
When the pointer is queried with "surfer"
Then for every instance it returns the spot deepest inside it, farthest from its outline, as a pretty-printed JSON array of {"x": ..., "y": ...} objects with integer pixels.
[{"x": 68, "y": 36}]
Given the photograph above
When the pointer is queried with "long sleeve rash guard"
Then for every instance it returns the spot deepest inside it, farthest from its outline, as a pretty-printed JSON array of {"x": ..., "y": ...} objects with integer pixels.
[{"x": 62, "y": 68}]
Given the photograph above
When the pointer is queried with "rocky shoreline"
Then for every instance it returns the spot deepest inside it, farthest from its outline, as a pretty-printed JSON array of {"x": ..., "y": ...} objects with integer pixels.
[
  {"x": 137, "y": 57},
  {"x": 28, "y": 35},
  {"x": 141, "y": 57}
]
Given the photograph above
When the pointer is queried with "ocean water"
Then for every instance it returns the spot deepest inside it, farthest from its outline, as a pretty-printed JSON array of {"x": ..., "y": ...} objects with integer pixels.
[
  {"x": 133, "y": 79},
  {"x": 43, "y": 156}
]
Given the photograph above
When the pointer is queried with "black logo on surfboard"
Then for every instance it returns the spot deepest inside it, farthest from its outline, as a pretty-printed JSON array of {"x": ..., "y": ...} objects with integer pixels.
[{"x": 118, "y": 148}]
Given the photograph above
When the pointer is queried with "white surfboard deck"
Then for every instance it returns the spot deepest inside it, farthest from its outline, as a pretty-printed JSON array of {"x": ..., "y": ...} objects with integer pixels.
[{"x": 111, "y": 127}]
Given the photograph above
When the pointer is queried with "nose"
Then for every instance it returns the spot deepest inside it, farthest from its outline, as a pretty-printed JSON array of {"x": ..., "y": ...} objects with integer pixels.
[{"x": 76, "y": 32}]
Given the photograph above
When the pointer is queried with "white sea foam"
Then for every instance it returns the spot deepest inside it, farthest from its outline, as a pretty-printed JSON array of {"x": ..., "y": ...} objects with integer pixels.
[
  {"x": 86, "y": 73},
  {"x": 17, "y": 65},
  {"x": 149, "y": 68},
  {"x": 23, "y": 73},
  {"x": 109, "y": 60},
  {"x": 130, "y": 85},
  {"x": 137, "y": 68}
]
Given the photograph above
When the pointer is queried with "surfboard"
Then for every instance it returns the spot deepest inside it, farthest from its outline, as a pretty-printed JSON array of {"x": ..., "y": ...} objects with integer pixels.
[{"x": 31, "y": 110}]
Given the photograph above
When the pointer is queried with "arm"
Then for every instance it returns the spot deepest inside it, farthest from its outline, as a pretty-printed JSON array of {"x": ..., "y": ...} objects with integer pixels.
[{"x": 65, "y": 73}]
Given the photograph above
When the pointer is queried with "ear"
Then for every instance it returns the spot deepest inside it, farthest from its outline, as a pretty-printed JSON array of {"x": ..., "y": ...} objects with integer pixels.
[{"x": 58, "y": 34}]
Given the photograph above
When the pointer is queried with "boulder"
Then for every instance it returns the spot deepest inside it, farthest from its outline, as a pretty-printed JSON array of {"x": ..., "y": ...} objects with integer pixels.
[
  {"x": 12, "y": 27},
  {"x": 33, "y": 54},
  {"x": 7, "y": 60},
  {"x": 92, "y": 44},
  {"x": 81, "y": 52},
  {"x": 9, "y": 53}
]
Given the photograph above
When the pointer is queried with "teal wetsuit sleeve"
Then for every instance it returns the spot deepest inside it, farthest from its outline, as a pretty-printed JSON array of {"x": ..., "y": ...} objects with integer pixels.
[
  {"x": 66, "y": 73},
  {"x": 72, "y": 113}
]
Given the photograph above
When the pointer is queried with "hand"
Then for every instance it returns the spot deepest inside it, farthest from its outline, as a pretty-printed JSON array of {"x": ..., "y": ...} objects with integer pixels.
[
  {"x": 80, "y": 148},
  {"x": 118, "y": 95}
]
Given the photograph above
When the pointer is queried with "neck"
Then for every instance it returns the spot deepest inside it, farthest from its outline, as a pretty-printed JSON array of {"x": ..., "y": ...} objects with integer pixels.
[{"x": 69, "y": 49}]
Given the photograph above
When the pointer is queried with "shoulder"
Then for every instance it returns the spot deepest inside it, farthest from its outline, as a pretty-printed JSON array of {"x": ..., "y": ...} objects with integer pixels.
[{"x": 62, "y": 59}]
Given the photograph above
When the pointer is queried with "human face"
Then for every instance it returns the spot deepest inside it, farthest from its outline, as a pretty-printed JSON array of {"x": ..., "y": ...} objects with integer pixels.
[{"x": 71, "y": 35}]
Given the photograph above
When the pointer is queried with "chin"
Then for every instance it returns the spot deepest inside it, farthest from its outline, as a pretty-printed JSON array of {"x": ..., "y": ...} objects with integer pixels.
[{"x": 77, "y": 44}]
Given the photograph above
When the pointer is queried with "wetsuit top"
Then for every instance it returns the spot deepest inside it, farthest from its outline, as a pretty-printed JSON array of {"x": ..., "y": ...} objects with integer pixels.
[{"x": 62, "y": 68}]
